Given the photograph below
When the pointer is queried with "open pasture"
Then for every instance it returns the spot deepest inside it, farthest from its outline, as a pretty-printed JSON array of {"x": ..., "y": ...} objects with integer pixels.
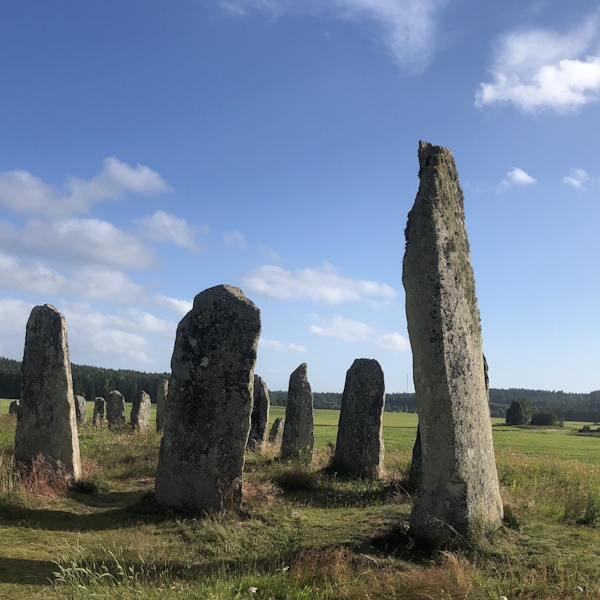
[{"x": 303, "y": 532}]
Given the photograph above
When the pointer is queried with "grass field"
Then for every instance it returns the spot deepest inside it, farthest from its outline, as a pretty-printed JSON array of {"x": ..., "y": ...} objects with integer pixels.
[{"x": 302, "y": 533}]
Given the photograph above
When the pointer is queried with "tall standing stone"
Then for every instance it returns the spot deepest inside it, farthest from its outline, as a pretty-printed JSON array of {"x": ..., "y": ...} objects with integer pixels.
[
  {"x": 140, "y": 411},
  {"x": 276, "y": 433},
  {"x": 161, "y": 399},
  {"x": 260, "y": 415},
  {"x": 99, "y": 406},
  {"x": 202, "y": 453},
  {"x": 80, "y": 408},
  {"x": 46, "y": 422},
  {"x": 115, "y": 409},
  {"x": 359, "y": 447},
  {"x": 459, "y": 489},
  {"x": 298, "y": 434}
]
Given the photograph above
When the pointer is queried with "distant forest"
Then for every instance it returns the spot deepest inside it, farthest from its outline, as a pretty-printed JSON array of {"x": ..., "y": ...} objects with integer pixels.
[{"x": 95, "y": 381}]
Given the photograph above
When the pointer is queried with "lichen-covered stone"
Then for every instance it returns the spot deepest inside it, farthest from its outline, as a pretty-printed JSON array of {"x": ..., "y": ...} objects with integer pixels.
[
  {"x": 140, "y": 411},
  {"x": 359, "y": 448},
  {"x": 298, "y": 433},
  {"x": 46, "y": 422},
  {"x": 115, "y": 409},
  {"x": 202, "y": 453},
  {"x": 13, "y": 408},
  {"x": 260, "y": 415},
  {"x": 99, "y": 407},
  {"x": 80, "y": 406},
  {"x": 459, "y": 485},
  {"x": 276, "y": 433},
  {"x": 162, "y": 389}
]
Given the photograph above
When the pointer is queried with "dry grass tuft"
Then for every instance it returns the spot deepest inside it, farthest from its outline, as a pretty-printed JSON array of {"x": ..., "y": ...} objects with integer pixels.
[
  {"x": 45, "y": 480},
  {"x": 265, "y": 492}
]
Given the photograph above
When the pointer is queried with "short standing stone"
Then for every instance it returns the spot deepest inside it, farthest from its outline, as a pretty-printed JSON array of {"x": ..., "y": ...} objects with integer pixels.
[
  {"x": 80, "y": 407},
  {"x": 115, "y": 409},
  {"x": 13, "y": 407},
  {"x": 359, "y": 447},
  {"x": 46, "y": 422},
  {"x": 206, "y": 428},
  {"x": 276, "y": 433},
  {"x": 459, "y": 489},
  {"x": 298, "y": 433},
  {"x": 161, "y": 399},
  {"x": 99, "y": 406},
  {"x": 140, "y": 411},
  {"x": 260, "y": 415}
]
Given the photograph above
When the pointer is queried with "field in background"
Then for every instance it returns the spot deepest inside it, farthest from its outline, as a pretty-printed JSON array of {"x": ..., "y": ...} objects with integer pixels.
[{"x": 303, "y": 533}]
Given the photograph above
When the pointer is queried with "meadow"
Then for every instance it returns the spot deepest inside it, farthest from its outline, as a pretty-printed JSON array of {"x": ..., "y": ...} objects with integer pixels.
[{"x": 303, "y": 532}]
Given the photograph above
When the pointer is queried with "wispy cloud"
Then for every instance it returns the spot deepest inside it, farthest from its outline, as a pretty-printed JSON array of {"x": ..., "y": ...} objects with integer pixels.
[
  {"x": 393, "y": 341},
  {"x": 540, "y": 69},
  {"x": 578, "y": 179},
  {"x": 235, "y": 238},
  {"x": 320, "y": 284},
  {"x": 175, "y": 304},
  {"x": 278, "y": 346},
  {"x": 343, "y": 329},
  {"x": 516, "y": 176},
  {"x": 164, "y": 227}
]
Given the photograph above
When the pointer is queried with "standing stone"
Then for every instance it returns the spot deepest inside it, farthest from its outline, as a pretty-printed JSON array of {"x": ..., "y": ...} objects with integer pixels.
[
  {"x": 276, "y": 433},
  {"x": 161, "y": 399},
  {"x": 260, "y": 415},
  {"x": 206, "y": 428},
  {"x": 46, "y": 422},
  {"x": 140, "y": 411},
  {"x": 80, "y": 410},
  {"x": 115, "y": 409},
  {"x": 459, "y": 489},
  {"x": 99, "y": 405},
  {"x": 359, "y": 447},
  {"x": 298, "y": 433},
  {"x": 13, "y": 407}
]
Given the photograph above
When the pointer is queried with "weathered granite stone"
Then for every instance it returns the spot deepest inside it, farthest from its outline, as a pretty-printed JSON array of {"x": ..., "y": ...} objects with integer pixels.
[
  {"x": 46, "y": 422},
  {"x": 459, "y": 485},
  {"x": 206, "y": 428},
  {"x": 161, "y": 399},
  {"x": 13, "y": 407},
  {"x": 99, "y": 406},
  {"x": 140, "y": 411},
  {"x": 414, "y": 475},
  {"x": 359, "y": 448},
  {"x": 276, "y": 433},
  {"x": 260, "y": 415},
  {"x": 80, "y": 410},
  {"x": 298, "y": 433},
  {"x": 115, "y": 409}
]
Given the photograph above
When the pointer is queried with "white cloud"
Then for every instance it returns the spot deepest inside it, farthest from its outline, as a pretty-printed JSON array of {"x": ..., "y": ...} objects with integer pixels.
[
  {"x": 393, "y": 341},
  {"x": 179, "y": 306},
  {"x": 516, "y": 176},
  {"x": 313, "y": 283},
  {"x": 545, "y": 70},
  {"x": 407, "y": 28},
  {"x": 30, "y": 276},
  {"x": 281, "y": 347},
  {"x": 343, "y": 329},
  {"x": 162, "y": 226},
  {"x": 235, "y": 238},
  {"x": 578, "y": 178},
  {"x": 14, "y": 314},
  {"x": 22, "y": 192}
]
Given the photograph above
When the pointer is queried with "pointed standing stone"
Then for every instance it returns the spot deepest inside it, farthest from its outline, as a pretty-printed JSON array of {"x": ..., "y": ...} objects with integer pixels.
[
  {"x": 98, "y": 417},
  {"x": 260, "y": 415},
  {"x": 13, "y": 408},
  {"x": 46, "y": 422},
  {"x": 140, "y": 411},
  {"x": 298, "y": 433},
  {"x": 80, "y": 407},
  {"x": 161, "y": 398},
  {"x": 202, "y": 453},
  {"x": 359, "y": 447},
  {"x": 459, "y": 485},
  {"x": 276, "y": 433},
  {"x": 115, "y": 409}
]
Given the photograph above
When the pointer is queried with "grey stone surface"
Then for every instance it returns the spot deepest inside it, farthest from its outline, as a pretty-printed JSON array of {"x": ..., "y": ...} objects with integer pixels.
[
  {"x": 202, "y": 453},
  {"x": 115, "y": 409},
  {"x": 99, "y": 408},
  {"x": 13, "y": 407},
  {"x": 414, "y": 475},
  {"x": 298, "y": 433},
  {"x": 276, "y": 433},
  {"x": 46, "y": 422},
  {"x": 80, "y": 413},
  {"x": 459, "y": 490},
  {"x": 162, "y": 390},
  {"x": 260, "y": 415},
  {"x": 359, "y": 448},
  {"x": 140, "y": 411}
]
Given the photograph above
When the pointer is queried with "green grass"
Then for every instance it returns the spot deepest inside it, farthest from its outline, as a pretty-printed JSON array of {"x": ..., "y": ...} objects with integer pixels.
[{"x": 303, "y": 533}]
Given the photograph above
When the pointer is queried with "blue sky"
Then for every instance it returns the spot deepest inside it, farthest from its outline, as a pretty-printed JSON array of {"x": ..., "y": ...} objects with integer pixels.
[{"x": 152, "y": 149}]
